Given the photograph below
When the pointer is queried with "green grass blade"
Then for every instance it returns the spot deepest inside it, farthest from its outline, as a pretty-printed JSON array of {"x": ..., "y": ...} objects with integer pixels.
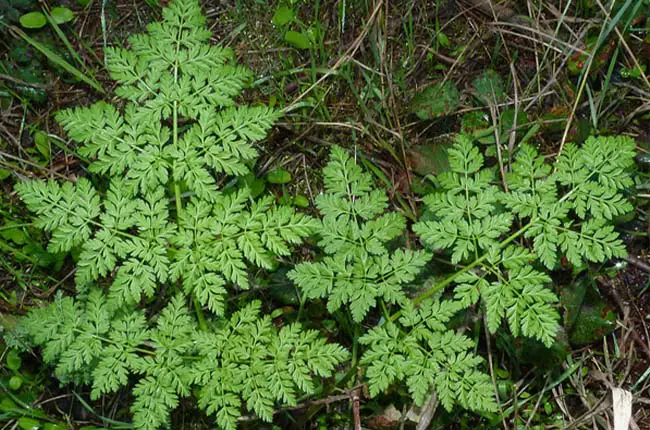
[
  {"x": 56, "y": 59},
  {"x": 64, "y": 39}
]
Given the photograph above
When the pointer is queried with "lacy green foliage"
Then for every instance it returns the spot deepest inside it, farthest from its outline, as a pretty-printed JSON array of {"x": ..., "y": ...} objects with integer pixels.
[
  {"x": 255, "y": 232},
  {"x": 165, "y": 224},
  {"x": 244, "y": 360},
  {"x": 422, "y": 352},
  {"x": 567, "y": 212},
  {"x": 571, "y": 210},
  {"x": 359, "y": 270},
  {"x": 249, "y": 358},
  {"x": 171, "y": 224},
  {"x": 168, "y": 74}
]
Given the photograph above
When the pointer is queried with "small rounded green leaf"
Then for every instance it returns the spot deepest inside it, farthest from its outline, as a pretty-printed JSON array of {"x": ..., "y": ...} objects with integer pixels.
[
  {"x": 16, "y": 234},
  {"x": 40, "y": 138},
  {"x": 489, "y": 88},
  {"x": 279, "y": 176},
  {"x": 299, "y": 40},
  {"x": 474, "y": 121},
  {"x": 26, "y": 423},
  {"x": 13, "y": 360},
  {"x": 52, "y": 426},
  {"x": 61, "y": 15},
  {"x": 33, "y": 20},
  {"x": 301, "y": 201},
  {"x": 438, "y": 100},
  {"x": 83, "y": 2},
  {"x": 283, "y": 16},
  {"x": 255, "y": 185},
  {"x": 4, "y": 174},
  {"x": 7, "y": 405},
  {"x": 277, "y": 313},
  {"x": 15, "y": 382},
  {"x": 443, "y": 40},
  {"x": 42, "y": 143}
]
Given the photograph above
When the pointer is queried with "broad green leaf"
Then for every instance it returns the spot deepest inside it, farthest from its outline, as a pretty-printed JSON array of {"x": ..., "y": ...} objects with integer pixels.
[
  {"x": 489, "y": 88},
  {"x": 431, "y": 158},
  {"x": 438, "y": 100},
  {"x": 587, "y": 316},
  {"x": 53, "y": 426},
  {"x": 301, "y": 201},
  {"x": 474, "y": 121},
  {"x": 443, "y": 40},
  {"x": 15, "y": 382},
  {"x": 33, "y": 20},
  {"x": 42, "y": 143},
  {"x": 296, "y": 39},
  {"x": 13, "y": 360},
  {"x": 16, "y": 234},
  {"x": 61, "y": 15},
  {"x": 279, "y": 176},
  {"x": 255, "y": 185},
  {"x": 7, "y": 405},
  {"x": 26, "y": 423},
  {"x": 283, "y": 16}
]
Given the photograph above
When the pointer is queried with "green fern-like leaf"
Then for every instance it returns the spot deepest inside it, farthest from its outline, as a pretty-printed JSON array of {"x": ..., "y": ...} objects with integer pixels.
[
  {"x": 170, "y": 220},
  {"x": 245, "y": 360},
  {"x": 563, "y": 213},
  {"x": 466, "y": 217},
  {"x": 181, "y": 128},
  {"x": 427, "y": 357},
  {"x": 359, "y": 269},
  {"x": 67, "y": 211},
  {"x": 217, "y": 240},
  {"x": 249, "y": 361}
]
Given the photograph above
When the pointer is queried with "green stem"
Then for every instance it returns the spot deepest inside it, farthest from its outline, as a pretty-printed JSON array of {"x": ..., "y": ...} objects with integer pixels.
[
  {"x": 302, "y": 300},
  {"x": 355, "y": 359},
  {"x": 203, "y": 326},
  {"x": 384, "y": 309},
  {"x": 177, "y": 186},
  {"x": 12, "y": 226},
  {"x": 179, "y": 203}
]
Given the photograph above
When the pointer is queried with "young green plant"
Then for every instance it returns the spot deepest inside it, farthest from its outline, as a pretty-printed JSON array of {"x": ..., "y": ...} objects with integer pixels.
[{"x": 154, "y": 226}]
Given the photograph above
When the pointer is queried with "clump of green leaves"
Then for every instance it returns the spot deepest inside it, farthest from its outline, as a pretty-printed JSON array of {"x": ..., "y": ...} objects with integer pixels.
[
  {"x": 160, "y": 223},
  {"x": 489, "y": 88},
  {"x": 509, "y": 237},
  {"x": 361, "y": 270},
  {"x": 421, "y": 351},
  {"x": 165, "y": 225},
  {"x": 355, "y": 227},
  {"x": 244, "y": 359},
  {"x": 128, "y": 229}
]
